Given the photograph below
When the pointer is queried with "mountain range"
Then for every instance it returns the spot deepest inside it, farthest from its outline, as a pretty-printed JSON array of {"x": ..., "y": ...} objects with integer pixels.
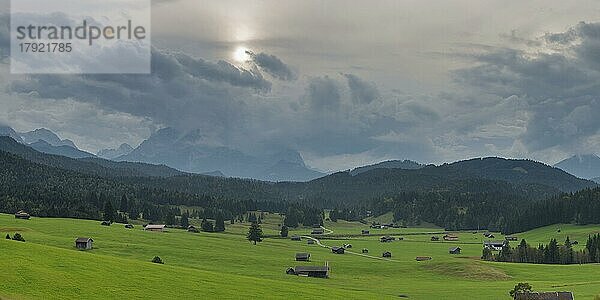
[
  {"x": 188, "y": 151},
  {"x": 582, "y": 166}
]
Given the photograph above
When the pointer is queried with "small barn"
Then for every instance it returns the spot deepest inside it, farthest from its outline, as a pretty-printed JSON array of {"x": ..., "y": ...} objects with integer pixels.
[
  {"x": 347, "y": 246},
  {"x": 192, "y": 228},
  {"x": 387, "y": 254},
  {"x": 295, "y": 238},
  {"x": 302, "y": 256},
  {"x": 158, "y": 228},
  {"x": 494, "y": 245},
  {"x": 309, "y": 271},
  {"x": 435, "y": 238},
  {"x": 544, "y": 296},
  {"x": 387, "y": 239},
  {"x": 511, "y": 238},
  {"x": 105, "y": 223},
  {"x": 364, "y": 232},
  {"x": 317, "y": 231},
  {"x": 84, "y": 243},
  {"x": 310, "y": 242},
  {"x": 450, "y": 237},
  {"x": 338, "y": 250},
  {"x": 129, "y": 226},
  {"x": 365, "y": 250},
  {"x": 22, "y": 215},
  {"x": 423, "y": 258},
  {"x": 454, "y": 250}
]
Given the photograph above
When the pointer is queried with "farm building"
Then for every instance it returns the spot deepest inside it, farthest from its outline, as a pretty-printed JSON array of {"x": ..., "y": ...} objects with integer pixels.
[
  {"x": 310, "y": 242},
  {"x": 347, "y": 246},
  {"x": 151, "y": 227},
  {"x": 365, "y": 250},
  {"x": 105, "y": 223},
  {"x": 192, "y": 228},
  {"x": 511, "y": 238},
  {"x": 494, "y": 245},
  {"x": 295, "y": 238},
  {"x": 454, "y": 250},
  {"x": 309, "y": 271},
  {"x": 450, "y": 237},
  {"x": 544, "y": 296},
  {"x": 387, "y": 254},
  {"x": 84, "y": 243},
  {"x": 317, "y": 231},
  {"x": 435, "y": 238},
  {"x": 364, "y": 232},
  {"x": 129, "y": 226},
  {"x": 22, "y": 215},
  {"x": 423, "y": 258},
  {"x": 302, "y": 256},
  {"x": 338, "y": 250},
  {"x": 387, "y": 239}
]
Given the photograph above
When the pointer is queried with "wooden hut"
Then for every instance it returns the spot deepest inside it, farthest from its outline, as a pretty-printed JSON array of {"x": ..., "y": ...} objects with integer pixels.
[
  {"x": 423, "y": 258},
  {"x": 22, "y": 215},
  {"x": 295, "y": 238},
  {"x": 338, "y": 250},
  {"x": 129, "y": 226},
  {"x": 387, "y": 254},
  {"x": 302, "y": 256},
  {"x": 158, "y": 228},
  {"x": 454, "y": 250},
  {"x": 84, "y": 243},
  {"x": 309, "y": 271}
]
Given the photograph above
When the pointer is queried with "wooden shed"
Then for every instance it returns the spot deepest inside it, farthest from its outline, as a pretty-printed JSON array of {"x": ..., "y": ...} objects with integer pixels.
[
  {"x": 22, "y": 215},
  {"x": 302, "y": 256},
  {"x": 84, "y": 243},
  {"x": 338, "y": 250},
  {"x": 309, "y": 271},
  {"x": 454, "y": 250},
  {"x": 317, "y": 231},
  {"x": 544, "y": 296},
  {"x": 158, "y": 228},
  {"x": 296, "y": 238},
  {"x": 387, "y": 254},
  {"x": 129, "y": 226},
  {"x": 364, "y": 232}
]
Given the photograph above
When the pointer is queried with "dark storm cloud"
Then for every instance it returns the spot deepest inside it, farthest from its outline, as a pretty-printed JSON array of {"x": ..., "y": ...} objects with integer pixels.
[
  {"x": 273, "y": 65},
  {"x": 324, "y": 93},
  {"x": 362, "y": 91},
  {"x": 560, "y": 82}
]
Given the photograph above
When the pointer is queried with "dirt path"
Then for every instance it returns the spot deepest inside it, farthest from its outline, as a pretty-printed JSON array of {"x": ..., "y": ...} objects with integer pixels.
[{"x": 328, "y": 231}]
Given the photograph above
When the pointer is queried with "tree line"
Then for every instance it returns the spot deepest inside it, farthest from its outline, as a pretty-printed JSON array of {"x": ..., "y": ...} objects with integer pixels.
[{"x": 551, "y": 253}]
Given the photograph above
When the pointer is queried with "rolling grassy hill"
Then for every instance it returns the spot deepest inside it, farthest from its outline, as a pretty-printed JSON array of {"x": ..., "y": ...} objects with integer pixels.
[{"x": 226, "y": 266}]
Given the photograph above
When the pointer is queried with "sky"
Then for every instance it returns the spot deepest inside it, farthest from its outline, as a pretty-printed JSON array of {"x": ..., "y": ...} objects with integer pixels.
[{"x": 345, "y": 83}]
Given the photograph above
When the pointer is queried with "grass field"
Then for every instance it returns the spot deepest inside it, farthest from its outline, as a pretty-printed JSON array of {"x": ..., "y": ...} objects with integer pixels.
[{"x": 226, "y": 266}]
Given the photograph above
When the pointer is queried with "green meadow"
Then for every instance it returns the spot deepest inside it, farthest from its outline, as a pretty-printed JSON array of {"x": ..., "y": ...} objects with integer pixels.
[{"x": 227, "y": 266}]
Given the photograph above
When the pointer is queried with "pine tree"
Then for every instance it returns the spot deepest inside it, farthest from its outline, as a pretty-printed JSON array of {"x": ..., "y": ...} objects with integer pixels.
[
  {"x": 219, "y": 223},
  {"x": 109, "y": 212},
  {"x": 124, "y": 206},
  {"x": 207, "y": 226},
  {"x": 185, "y": 222},
  {"x": 284, "y": 231},
  {"x": 255, "y": 233}
]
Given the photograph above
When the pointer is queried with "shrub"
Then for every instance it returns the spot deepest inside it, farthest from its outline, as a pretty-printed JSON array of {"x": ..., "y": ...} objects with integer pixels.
[
  {"x": 157, "y": 260},
  {"x": 18, "y": 237},
  {"x": 8, "y": 236}
]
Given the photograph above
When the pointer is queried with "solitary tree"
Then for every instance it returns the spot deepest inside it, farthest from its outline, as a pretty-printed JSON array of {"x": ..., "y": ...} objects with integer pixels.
[
  {"x": 219, "y": 223},
  {"x": 157, "y": 260},
  {"x": 521, "y": 287},
  {"x": 255, "y": 233},
  {"x": 284, "y": 231}
]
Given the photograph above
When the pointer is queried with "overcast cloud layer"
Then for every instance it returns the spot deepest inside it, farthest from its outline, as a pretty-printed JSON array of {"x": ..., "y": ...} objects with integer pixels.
[{"x": 343, "y": 84}]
